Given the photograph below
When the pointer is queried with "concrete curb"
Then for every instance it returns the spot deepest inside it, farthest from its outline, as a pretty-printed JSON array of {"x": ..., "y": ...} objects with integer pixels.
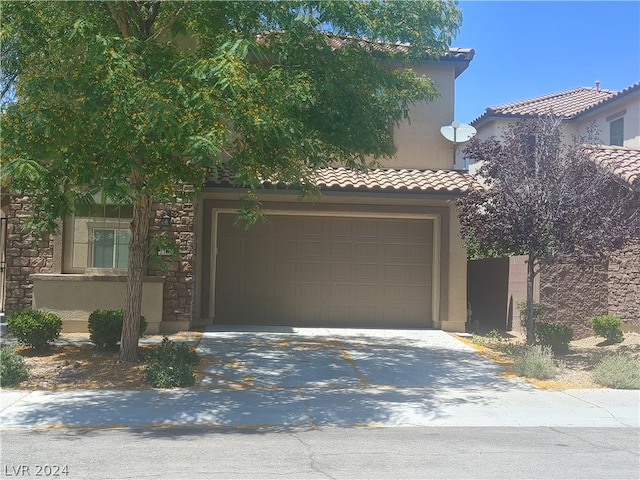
[{"x": 314, "y": 408}]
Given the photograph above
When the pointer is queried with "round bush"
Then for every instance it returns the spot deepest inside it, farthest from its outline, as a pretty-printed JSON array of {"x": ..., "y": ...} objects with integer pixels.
[
  {"x": 607, "y": 326},
  {"x": 105, "y": 327},
  {"x": 554, "y": 335},
  {"x": 12, "y": 367},
  {"x": 171, "y": 365},
  {"x": 35, "y": 328}
]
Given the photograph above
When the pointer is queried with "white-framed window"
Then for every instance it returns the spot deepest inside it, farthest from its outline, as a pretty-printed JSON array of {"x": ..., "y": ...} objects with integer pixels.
[
  {"x": 110, "y": 247},
  {"x": 97, "y": 240}
]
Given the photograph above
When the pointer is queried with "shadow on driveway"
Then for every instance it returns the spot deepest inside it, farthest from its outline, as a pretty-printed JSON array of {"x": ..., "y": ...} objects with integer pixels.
[
  {"x": 300, "y": 378},
  {"x": 344, "y": 358}
]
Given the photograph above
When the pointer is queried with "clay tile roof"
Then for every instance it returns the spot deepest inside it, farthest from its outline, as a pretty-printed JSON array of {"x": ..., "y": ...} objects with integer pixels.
[
  {"x": 455, "y": 54},
  {"x": 623, "y": 162},
  {"x": 568, "y": 103},
  {"x": 432, "y": 181},
  {"x": 447, "y": 182}
]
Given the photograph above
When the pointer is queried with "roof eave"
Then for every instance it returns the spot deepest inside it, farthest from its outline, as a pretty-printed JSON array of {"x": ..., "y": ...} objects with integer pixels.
[
  {"x": 269, "y": 188},
  {"x": 460, "y": 57},
  {"x": 487, "y": 116}
]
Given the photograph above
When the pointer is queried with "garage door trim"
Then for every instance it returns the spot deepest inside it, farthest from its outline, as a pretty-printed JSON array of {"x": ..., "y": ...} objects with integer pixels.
[{"x": 435, "y": 218}]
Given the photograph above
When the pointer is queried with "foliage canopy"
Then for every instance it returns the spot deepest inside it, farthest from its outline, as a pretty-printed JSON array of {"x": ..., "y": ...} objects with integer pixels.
[
  {"x": 131, "y": 101},
  {"x": 544, "y": 198}
]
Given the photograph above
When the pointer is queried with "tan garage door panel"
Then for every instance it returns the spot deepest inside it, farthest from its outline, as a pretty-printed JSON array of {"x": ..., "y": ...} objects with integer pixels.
[{"x": 327, "y": 271}]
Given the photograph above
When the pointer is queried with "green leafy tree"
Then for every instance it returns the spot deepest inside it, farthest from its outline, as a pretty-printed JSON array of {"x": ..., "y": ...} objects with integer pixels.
[
  {"x": 545, "y": 199},
  {"x": 132, "y": 100}
]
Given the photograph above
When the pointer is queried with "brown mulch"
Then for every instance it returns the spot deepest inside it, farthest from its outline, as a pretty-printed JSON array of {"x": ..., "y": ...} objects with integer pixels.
[{"x": 73, "y": 365}]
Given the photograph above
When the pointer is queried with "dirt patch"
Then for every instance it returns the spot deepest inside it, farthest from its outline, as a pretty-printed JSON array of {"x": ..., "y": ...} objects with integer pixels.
[
  {"x": 74, "y": 363},
  {"x": 574, "y": 367}
]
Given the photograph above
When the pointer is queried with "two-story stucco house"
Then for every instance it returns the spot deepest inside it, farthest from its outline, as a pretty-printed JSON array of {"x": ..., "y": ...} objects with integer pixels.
[
  {"x": 575, "y": 295},
  {"x": 615, "y": 114},
  {"x": 380, "y": 249}
]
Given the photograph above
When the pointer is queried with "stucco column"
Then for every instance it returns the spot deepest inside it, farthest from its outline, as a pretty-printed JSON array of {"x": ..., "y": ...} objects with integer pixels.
[{"x": 456, "y": 316}]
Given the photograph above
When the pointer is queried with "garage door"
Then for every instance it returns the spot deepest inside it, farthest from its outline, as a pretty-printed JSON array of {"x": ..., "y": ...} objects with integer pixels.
[{"x": 324, "y": 271}]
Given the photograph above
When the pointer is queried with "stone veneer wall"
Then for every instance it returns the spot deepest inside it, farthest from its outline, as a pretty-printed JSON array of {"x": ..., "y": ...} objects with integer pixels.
[
  {"x": 24, "y": 256},
  {"x": 179, "y": 286},
  {"x": 574, "y": 294},
  {"x": 624, "y": 284}
]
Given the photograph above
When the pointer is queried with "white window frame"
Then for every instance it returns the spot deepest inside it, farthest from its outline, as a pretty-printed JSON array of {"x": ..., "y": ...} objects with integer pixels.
[
  {"x": 114, "y": 227},
  {"x": 93, "y": 223}
]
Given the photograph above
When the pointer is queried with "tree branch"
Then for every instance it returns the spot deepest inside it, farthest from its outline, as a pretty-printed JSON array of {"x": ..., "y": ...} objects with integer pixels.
[
  {"x": 170, "y": 23},
  {"x": 154, "y": 9},
  {"x": 125, "y": 20},
  {"x": 140, "y": 19},
  {"x": 120, "y": 21},
  {"x": 8, "y": 83}
]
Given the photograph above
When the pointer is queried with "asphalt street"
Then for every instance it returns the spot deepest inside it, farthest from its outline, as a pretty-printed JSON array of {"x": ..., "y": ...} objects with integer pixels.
[
  {"x": 327, "y": 453},
  {"x": 320, "y": 403}
]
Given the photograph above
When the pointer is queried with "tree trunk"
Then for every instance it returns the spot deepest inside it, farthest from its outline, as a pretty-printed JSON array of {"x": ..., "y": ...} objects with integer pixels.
[
  {"x": 531, "y": 275},
  {"x": 135, "y": 276}
]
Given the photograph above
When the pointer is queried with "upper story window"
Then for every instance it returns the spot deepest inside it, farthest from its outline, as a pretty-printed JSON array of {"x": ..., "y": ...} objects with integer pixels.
[
  {"x": 616, "y": 132},
  {"x": 98, "y": 238}
]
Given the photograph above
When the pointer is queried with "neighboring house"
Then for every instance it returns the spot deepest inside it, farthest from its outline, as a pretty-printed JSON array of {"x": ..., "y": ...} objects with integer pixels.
[
  {"x": 615, "y": 113},
  {"x": 573, "y": 294},
  {"x": 622, "y": 290},
  {"x": 380, "y": 249}
]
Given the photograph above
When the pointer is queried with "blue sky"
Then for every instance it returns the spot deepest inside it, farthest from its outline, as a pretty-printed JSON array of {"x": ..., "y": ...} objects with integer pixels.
[{"x": 528, "y": 49}]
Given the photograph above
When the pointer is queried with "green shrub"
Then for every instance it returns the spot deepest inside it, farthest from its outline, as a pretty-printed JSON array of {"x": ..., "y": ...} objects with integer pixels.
[
  {"x": 554, "y": 335},
  {"x": 12, "y": 367},
  {"x": 607, "y": 326},
  {"x": 35, "y": 328},
  {"x": 105, "y": 327},
  {"x": 478, "y": 340},
  {"x": 171, "y": 365},
  {"x": 495, "y": 335},
  {"x": 539, "y": 310},
  {"x": 536, "y": 361},
  {"x": 617, "y": 370}
]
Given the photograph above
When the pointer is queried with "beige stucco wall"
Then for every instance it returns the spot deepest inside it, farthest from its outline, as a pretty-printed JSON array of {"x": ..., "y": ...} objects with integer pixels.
[
  {"x": 492, "y": 128},
  {"x": 418, "y": 141},
  {"x": 630, "y": 104},
  {"x": 74, "y": 297},
  {"x": 456, "y": 312}
]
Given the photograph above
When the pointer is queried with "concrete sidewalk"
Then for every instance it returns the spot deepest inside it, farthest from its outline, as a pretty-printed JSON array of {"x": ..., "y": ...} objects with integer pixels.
[
  {"x": 284, "y": 377},
  {"x": 317, "y": 407}
]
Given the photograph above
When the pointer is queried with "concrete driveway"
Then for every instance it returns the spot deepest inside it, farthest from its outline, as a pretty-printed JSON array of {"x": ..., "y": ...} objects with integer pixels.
[
  {"x": 286, "y": 357},
  {"x": 310, "y": 378}
]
